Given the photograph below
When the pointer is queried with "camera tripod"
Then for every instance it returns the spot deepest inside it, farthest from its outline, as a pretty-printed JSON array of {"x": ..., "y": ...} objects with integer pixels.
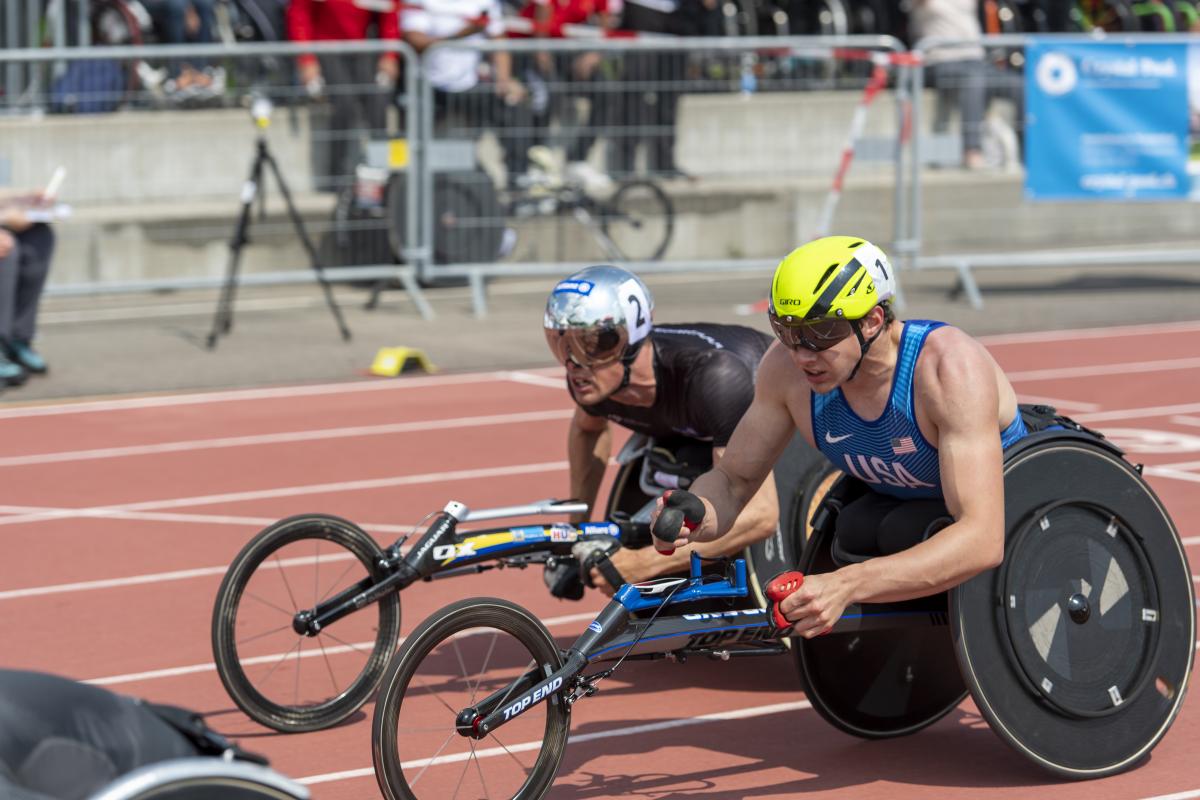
[{"x": 252, "y": 189}]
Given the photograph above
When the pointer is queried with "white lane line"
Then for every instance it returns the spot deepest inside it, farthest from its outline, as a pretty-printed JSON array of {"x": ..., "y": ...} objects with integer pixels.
[
  {"x": 201, "y": 519},
  {"x": 292, "y": 491},
  {"x": 1176, "y": 796},
  {"x": 1126, "y": 368},
  {"x": 1190, "y": 540},
  {"x": 1182, "y": 420},
  {"x": 288, "y": 437},
  {"x": 1062, "y": 405},
  {"x": 236, "y": 395},
  {"x": 1118, "y": 332},
  {"x": 541, "y": 380},
  {"x": 1173, "y": 474},
  {"x": 172, "y": 672},
  {"x": 163, "y": 577},
  {"x": 631, "y": 730},
  {"x": 1135, "y": 413}
]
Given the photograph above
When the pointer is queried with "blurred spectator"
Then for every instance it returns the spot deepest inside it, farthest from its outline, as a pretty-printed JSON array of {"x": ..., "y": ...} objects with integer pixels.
[
  {"x": 357, "y": 87},
  {"x": 188, "y": 22},
  {"x": 26, "y": 248},
  {"x": 463, "y": 107},
  {"x": 961, "y": 72},
  {"x": 581, "y": 72},
  {"x": 647, "y": 110}
]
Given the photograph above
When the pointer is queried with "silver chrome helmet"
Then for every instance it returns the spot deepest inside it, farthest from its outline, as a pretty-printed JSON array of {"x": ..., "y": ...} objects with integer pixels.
[{"x": 597, "y": 316}]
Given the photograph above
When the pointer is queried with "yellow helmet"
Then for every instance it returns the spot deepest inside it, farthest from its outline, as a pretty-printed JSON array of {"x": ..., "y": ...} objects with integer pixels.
[{"x": 836, "y": 277}]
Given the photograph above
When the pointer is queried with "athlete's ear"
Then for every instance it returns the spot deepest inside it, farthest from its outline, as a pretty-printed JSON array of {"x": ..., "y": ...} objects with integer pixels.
[{"x": 871, "y": 323}]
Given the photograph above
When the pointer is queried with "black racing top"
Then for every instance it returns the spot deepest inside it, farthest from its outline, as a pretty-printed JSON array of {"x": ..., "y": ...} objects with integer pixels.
[{"x": 704, "y": 378}]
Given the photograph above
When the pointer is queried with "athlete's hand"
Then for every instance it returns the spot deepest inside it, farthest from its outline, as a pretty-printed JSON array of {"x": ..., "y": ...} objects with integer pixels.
[
  {"x": 675, "y": 516},
  {"x": 635, "y": 566},
  {"x": 816, "y": 604}
]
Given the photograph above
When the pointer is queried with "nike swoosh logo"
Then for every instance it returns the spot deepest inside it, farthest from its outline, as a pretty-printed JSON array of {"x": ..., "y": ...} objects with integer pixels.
[{"x": 836, "y": 439}]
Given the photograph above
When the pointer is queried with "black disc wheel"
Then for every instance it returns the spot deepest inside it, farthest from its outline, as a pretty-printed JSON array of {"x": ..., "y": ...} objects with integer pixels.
[
  {"x": 1079, "y": 647},
  {"x": 887, "y": 670},
  {"x": 639, "y": 220},
  {"x": 798, "y": 499},
  {"x": 626, "y": 495},
  {"x": 281, "y": 678},
  {"x": 464, "y": 653}
]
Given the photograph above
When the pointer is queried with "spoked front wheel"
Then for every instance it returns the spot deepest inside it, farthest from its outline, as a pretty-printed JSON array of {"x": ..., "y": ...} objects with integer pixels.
[
  {"x": 284, "y": 679},
  {"x": 461, "y": 655},
  {"x": 639, "y": 220}
]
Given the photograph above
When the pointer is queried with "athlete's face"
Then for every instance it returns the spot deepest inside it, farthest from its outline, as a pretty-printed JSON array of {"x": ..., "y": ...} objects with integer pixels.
[
  {"x": 825, "y": 370},
  {"x": 592, "y": 384}
]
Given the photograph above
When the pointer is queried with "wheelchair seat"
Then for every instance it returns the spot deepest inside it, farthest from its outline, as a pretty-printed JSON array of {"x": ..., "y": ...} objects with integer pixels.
[{"x": 202, "y": 778}]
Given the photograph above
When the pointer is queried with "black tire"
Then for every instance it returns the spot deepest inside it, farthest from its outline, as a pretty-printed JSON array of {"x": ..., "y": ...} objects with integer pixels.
[
  {"x": 626, "y": 495},
  {"x": 797, "y": 502},
  {"x": 639, "y": 219},
  {"x": 435, "y": 704},
  {"x": 468, "y": 221},
  {"x": 310, "y": 537}
]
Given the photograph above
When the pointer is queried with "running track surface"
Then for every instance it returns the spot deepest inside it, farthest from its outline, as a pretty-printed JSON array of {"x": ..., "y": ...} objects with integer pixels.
[{"x": 118, "y": 518}]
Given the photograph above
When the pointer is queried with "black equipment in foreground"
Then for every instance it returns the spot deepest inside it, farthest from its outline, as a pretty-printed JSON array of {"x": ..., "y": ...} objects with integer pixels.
[{"x": 260, "y": 110}]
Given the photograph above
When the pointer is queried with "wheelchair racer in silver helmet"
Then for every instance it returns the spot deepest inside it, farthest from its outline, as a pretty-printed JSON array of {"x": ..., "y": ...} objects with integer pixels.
[
  {"x": 598, "y": 316},
  {"x": 685, "y": 386}
]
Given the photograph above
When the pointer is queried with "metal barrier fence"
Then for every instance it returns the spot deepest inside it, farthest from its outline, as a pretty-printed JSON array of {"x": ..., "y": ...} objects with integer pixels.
[
  {"x": 653, "y": 151},
  {"x": 426, "y": 184},
  {"x": 985, "y": 220}
]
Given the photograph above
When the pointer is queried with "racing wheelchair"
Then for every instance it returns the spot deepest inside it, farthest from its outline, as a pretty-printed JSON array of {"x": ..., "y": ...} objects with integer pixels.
[
  {"x": 1077, "y": 649},
  {"x": 308, "y": 613}
]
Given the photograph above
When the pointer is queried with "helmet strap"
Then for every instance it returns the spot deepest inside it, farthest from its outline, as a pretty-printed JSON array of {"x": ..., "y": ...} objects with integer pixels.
[
  {"x": 864, "y": 344},
  {"x": 631, "y": 354}
]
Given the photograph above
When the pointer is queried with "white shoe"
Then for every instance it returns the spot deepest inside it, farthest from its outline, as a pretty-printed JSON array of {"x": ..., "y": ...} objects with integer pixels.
[{"x": 592, "y": 179}]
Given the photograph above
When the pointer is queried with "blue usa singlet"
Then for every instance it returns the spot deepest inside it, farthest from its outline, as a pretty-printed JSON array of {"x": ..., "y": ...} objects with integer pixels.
[{"x": 889, "y": 453}]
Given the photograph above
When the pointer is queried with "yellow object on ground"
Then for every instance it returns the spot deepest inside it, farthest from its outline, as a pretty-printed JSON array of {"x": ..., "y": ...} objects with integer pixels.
[{"x": 392, "y": 361}]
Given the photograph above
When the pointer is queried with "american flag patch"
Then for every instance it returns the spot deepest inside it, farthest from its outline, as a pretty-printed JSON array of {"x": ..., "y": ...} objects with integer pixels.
[{"x": 903, "y": 445}]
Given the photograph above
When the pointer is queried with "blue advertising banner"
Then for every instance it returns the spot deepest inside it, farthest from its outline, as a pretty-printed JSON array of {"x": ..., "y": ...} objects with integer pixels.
[{"x": 1106, "y": 121}]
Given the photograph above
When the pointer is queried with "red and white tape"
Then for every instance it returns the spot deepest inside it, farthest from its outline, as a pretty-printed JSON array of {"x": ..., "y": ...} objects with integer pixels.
[{"x": 876, "y": 83}]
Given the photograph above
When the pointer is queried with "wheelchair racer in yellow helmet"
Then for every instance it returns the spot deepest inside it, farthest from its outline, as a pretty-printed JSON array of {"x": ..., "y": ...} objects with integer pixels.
[{"x": 917, "y": 411}]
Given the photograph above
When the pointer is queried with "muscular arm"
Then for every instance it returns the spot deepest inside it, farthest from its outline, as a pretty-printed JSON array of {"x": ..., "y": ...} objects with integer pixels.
[
  {"x": 958, "y": 391},
  {"x": 960, "y": 395},
  {"x": 589, "y": 445},
  {"x": 756, "y": 445}
]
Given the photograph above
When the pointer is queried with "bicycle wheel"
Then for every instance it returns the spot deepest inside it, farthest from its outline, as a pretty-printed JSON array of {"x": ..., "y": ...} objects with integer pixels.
[
  {"x": 460, "y": 655},
  {"x": 280, "y": 678},
  {"x": 639, "y": 220}
]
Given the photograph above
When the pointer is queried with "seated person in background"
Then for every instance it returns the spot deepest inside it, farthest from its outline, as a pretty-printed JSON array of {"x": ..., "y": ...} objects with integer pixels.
[
  {"x": 668, "y": 381},
  {"x": 356, "y": 112},
  {"x": 26, "y": 249},
  {"x": 918, "y": 411},
  {"x": 463, "y": 108},
  {"x": 64, "y": 739},
  {"x": 960, "y": 71},
  {"x": 580, "y": 73},
  {"x": 188, "y": 22}
]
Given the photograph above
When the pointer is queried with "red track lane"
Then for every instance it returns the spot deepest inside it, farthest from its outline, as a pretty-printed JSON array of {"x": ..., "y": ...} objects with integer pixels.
[{"x": 193, "y": 506}]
